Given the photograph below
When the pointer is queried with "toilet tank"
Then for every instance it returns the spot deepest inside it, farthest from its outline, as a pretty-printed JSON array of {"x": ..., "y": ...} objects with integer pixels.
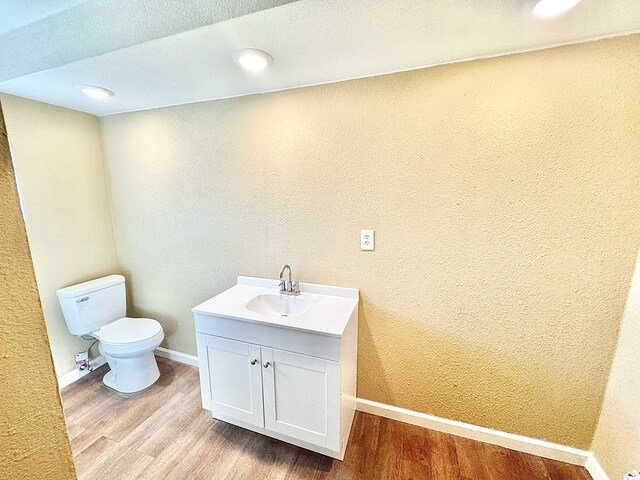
[{"x": 90, "y": 305}]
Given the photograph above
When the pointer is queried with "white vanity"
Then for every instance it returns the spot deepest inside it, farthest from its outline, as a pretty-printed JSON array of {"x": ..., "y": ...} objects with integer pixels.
[{"x": 281, "y": 365}]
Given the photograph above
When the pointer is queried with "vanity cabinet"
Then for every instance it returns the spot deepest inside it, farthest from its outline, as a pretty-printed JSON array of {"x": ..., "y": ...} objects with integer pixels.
[
  {"x": 295, "y": 385},
  {"x": 284, "y": 392}
]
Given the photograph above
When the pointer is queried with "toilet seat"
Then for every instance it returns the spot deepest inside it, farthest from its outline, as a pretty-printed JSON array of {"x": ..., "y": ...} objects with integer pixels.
[
  {"x": 126, "y": 331},
  {"x": 128, "y": 337}
]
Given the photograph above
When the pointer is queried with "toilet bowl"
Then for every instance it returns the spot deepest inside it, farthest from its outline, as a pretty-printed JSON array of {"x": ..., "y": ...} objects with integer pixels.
[
  {"x": 128, "y": 344},
  {"x": 98, "y": 308}
]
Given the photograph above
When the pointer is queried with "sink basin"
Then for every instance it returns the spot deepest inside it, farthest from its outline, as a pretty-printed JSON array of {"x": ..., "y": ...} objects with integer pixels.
[{"x": 283, "y": 305}]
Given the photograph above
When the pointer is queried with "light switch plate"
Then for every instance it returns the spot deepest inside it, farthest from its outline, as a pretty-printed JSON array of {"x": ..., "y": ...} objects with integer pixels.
[{"x": 367, "y": 241}]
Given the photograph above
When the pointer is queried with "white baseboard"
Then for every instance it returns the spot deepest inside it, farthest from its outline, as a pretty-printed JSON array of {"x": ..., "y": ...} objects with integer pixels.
[
  {"x": 595, "y": 469},
  {"x": 520, "y": 443},
  {"x": 75, "y": 374},
  {"x": 177, "y": 356}
]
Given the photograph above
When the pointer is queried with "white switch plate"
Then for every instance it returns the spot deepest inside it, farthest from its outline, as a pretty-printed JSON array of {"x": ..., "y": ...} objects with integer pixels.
[{"x": 367, "y": 241}]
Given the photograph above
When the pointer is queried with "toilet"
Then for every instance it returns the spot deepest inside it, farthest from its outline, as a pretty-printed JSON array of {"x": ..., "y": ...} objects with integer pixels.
[{"x": 98, "y": 308}]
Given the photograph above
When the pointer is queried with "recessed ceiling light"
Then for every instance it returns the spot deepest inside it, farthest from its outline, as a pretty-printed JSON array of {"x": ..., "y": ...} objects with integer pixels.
[
  {"x": 252, "y": 59},
  {"x": 553, "y": 8},
  {"x": 96, "y": 92}
]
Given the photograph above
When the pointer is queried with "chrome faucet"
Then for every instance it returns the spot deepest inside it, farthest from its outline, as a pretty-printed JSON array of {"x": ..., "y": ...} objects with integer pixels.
[{"x": 288, "y": 287}]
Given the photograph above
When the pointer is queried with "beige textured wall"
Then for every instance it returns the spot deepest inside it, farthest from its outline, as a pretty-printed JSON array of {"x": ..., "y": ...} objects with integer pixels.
[
  {"x": 504, "y": 195},
  {"x": 59, "y": 165},
  {"x": 33, "y": 439},
  {"x": 617, "y": 438}
]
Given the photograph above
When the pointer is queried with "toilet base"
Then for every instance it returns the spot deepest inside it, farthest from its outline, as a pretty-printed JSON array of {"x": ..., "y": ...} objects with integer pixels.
[{"x": 130, "y": 375}]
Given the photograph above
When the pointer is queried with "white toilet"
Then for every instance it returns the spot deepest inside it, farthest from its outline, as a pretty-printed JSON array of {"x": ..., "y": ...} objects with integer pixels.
[{"x": 98, "y": 308}]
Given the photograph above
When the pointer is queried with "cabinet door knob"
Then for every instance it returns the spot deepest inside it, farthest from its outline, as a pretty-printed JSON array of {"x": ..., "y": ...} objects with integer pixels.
[
  {"x": 266, "y": 365},
  {"x": 254, "y": 361}
]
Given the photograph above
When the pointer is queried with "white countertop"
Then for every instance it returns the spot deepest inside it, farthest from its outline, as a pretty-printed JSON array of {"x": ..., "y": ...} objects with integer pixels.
[{"x": 329, "y": 314}]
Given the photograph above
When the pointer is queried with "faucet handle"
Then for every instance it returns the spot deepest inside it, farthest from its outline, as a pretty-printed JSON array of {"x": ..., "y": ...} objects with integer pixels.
[{"x": 295, "y": 288}]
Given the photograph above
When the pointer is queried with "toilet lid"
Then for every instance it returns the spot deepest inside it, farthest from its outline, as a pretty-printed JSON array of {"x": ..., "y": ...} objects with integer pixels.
[{"x": 129, "y": 330}]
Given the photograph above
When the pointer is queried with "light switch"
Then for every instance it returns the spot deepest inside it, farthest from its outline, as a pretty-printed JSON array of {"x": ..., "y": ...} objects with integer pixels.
[{"x": 366, "y": 240}]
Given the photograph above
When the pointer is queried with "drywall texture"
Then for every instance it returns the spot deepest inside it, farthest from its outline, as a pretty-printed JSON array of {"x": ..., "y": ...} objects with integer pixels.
[
  {"x": 33, "y": 438},
  {"x": 58, "y": 159},
  {"x": 504, "y": 195},
  {"x": 617, "y": 439}
]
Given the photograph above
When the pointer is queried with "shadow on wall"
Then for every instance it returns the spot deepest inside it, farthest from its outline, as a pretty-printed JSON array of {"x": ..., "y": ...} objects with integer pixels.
[
  {"x": 617, "y": 437},
  {"x": 169, "y": 323},
  {"x": 370, "y": 363}
]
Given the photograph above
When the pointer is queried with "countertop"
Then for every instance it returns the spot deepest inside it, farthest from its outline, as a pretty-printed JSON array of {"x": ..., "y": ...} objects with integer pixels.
[{"x": 332, "y": 306}]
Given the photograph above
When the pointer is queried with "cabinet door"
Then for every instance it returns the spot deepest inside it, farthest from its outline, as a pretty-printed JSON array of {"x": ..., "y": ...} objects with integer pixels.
[
  {"x": 233, "y": 382},
  {"x": 302, "y": 397}
]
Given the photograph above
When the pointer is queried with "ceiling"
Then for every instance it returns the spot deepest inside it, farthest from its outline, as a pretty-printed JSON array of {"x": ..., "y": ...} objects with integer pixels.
[{"x": 154, "y": 53}]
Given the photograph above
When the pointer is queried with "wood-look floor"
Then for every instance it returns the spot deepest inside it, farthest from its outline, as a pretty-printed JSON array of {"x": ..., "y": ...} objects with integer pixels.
[{"x": 163, "y": 433}]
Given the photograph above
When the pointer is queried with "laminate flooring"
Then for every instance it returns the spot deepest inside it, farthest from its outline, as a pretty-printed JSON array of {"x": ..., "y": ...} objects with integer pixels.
[{"x": 163, "y": 433}]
